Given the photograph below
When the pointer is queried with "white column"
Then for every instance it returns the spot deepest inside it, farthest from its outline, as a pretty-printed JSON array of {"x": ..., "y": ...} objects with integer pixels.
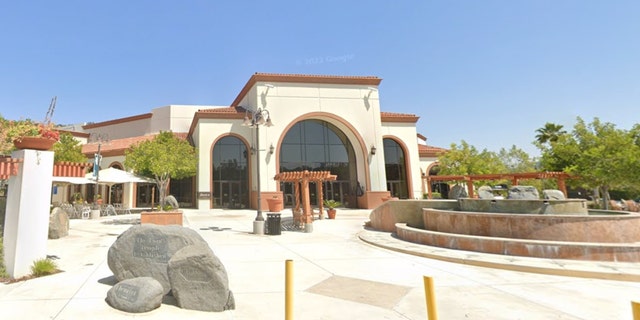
[{"x": 26, "y": 225}]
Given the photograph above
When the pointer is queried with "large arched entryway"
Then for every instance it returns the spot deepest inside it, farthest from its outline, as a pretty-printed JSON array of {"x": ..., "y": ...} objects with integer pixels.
[
  {"x": 395, "y": 169},
  {"x": 317, "y": 145},
  {"x": 230, "y": 174}
]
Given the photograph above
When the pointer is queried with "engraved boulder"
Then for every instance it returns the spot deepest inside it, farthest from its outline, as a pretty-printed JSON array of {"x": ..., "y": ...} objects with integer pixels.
[
  {"x": 199, "y": 280},
  {"x": 136, "y": 295},
  {"x": 145, "y": 250}
]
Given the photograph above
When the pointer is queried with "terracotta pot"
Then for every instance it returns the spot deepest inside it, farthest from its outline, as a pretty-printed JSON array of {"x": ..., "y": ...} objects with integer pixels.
[
  {"x": 275, "y": 204},
  {"x": 331, "y": 213},
  {"x": 161, "y": 217},
  {"x": 34, "y": 143}
]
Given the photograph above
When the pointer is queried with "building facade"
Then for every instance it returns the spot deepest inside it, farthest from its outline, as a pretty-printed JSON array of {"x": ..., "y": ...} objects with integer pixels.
[{"x": 328, "y": 123}]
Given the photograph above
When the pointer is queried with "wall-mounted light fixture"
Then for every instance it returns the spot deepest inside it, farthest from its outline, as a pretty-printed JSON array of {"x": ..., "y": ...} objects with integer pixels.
[
  {"x": 373, "y": 150},
  {"x": 271, "y": 149},
  {"x": 257, "y": 118}
]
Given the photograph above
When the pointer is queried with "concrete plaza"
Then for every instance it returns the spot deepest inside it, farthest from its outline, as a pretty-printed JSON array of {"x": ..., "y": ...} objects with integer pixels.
[{"x": 340, "y": 272}]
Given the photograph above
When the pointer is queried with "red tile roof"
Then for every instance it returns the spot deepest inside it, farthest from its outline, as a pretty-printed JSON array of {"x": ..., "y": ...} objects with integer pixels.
[
  {"x": 116, "y": 121},
  {"x": 430, "y": 151},
  {"x": 117, "y": 147},
  {"x": 398, "y": 117}
]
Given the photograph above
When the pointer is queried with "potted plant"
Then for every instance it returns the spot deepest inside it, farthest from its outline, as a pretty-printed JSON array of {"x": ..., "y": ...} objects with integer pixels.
[
  {"x": 28, "y": 134},
  {"x": 275, "y": 204},
  {"x": 331, "y": 207},
  {"x": 77, "y": 198},
  {"x": 98, "y": 199}
]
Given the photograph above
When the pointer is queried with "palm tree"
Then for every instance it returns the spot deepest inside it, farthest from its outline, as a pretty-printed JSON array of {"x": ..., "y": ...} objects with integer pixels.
[{"x": 549, "y": 133}]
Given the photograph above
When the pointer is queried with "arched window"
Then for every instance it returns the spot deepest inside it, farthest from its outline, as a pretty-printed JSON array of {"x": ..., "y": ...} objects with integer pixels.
[
  {"x": 317, "y": 145},
  {"x": 230, "y": 174},
  {"x": 396, "y": 169}
]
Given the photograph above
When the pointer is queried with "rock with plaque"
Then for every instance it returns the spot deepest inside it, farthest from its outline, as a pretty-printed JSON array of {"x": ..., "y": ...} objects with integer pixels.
[
  {"x": 199, "y": 280},
  {"x": 136, "y": 295},
  {"x": 145, "y": 250}
]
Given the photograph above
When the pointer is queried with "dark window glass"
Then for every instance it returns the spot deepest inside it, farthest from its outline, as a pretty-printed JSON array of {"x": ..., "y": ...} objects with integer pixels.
[
  {"x": 230, "y": 174},
  {"x": 395, "y": 169},
  {"x": 317, "y": 145}
]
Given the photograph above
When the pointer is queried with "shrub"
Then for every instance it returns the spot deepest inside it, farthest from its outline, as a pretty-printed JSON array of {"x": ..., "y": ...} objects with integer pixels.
[{"x": 43, "y": 267}]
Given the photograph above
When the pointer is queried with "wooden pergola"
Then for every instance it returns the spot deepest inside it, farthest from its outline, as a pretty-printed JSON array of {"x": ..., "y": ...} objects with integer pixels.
[
  {"x": 514, "y": 177},
  {"x": 300, "y": 180}
]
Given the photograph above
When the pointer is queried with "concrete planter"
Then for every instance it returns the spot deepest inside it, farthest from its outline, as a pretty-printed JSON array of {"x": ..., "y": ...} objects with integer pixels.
[{"x": 161, "y": 217}]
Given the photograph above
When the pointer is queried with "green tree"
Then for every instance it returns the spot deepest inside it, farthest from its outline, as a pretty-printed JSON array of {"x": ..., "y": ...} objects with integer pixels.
[
  {"x": 549, "y": 133},
  {"x": 516, "y": 160},
  {"x": 598, "y": 154},
  {"x": 466, "y": 159},
  {"x": 68, "y": 149},
  {"x": 164, "y": 157},
  {"x": 6, "y": 145}
]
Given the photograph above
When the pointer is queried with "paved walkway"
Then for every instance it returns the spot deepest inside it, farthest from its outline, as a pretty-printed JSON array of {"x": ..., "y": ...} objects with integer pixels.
[{"x": 337, "y": 276}]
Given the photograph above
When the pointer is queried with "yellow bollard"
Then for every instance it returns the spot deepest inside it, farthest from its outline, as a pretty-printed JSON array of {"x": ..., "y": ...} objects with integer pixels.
[
  {"x": 432, "y": 312},
  {"x": 288, "y": 290},
  {"x": 635, "y": 307}
]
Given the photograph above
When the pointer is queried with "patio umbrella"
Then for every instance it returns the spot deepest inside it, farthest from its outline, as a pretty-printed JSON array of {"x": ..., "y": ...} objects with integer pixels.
[
  {"x": 111, "y": 176},
  {"x": 65, "y": 181},
  {"x": 71, "y": 180}
]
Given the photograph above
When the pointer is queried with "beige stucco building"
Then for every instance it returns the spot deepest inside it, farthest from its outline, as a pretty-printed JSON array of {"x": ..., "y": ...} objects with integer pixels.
[{"x": 332, "y": 123}]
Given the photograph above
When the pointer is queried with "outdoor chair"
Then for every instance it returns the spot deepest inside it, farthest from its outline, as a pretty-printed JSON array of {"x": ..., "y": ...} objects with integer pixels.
[
  {"x": 86, "y": 212},
  {"x": 69, "y": 210},
  {"x": 121, "y": 208},
  {"x": 110, "y": 210}
]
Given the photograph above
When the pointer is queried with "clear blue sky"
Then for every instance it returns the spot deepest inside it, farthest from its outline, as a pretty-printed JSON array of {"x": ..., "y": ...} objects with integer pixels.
[{"x": 488, "y": 72}]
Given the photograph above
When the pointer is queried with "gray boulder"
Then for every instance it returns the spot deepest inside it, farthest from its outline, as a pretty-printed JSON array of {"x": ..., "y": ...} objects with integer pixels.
[
  {"x": 58, "y": 224},
  {"x": 485, "y": 192},
  {"x": 145, "y": 250},
  {"x": 136, "y": 295},
  {"x": 523, "y": 193},
  {"x": 199, "y": 280},
  {"x": 171, "y": 200},
  {"x": 457, "y": 192},
  {"x": 553, "y": 195}
]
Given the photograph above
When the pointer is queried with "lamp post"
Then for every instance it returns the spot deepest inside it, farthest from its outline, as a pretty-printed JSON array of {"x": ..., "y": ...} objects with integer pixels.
[
  {"x": 255, "y": 119},
  {"x": 97, "y": 157}
]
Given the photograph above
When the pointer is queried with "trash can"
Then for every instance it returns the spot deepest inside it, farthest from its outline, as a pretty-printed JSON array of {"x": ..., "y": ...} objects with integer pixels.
[{"x": 273, "y": 224}]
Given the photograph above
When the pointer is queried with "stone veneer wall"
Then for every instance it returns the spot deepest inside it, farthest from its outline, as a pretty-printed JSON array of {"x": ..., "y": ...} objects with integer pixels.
[
  {"x": 385, "y": 216},
  {"x": 572, "y": 228},
  {"x": 622, "y": 252}
]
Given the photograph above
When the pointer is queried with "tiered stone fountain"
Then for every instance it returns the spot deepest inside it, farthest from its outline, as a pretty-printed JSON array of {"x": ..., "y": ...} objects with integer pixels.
[{"x": 554, "y": 229}]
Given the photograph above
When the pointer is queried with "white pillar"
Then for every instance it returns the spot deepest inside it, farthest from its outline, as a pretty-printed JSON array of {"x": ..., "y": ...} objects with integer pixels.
[{"x": 26, "y": 225}]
